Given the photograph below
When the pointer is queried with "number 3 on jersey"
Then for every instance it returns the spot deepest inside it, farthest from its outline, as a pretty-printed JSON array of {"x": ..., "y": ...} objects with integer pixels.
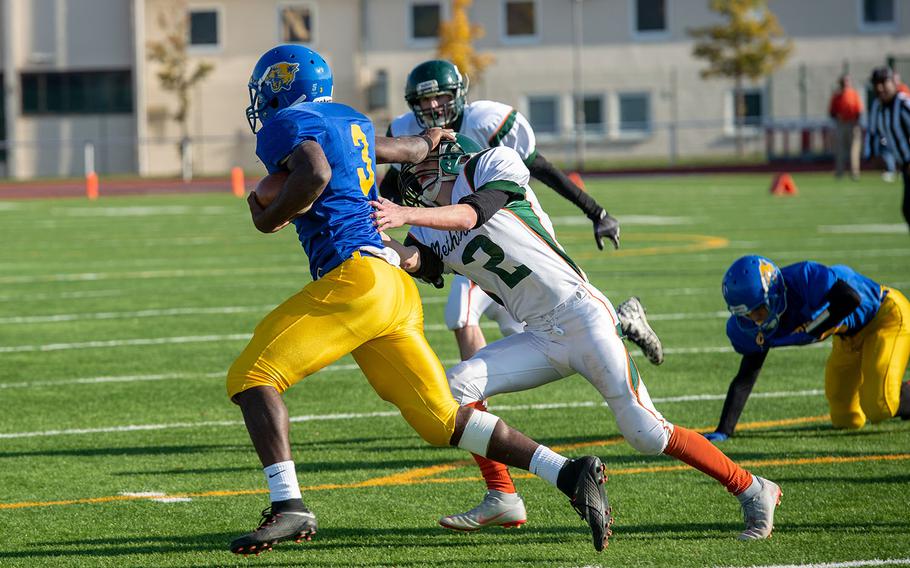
[{"x": 365, "y": 173}]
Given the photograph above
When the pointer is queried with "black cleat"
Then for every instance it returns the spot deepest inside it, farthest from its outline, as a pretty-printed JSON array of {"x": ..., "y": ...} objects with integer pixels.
[
  {"x": 274, "y": 528},
  {"x": 589, "y": 499}
]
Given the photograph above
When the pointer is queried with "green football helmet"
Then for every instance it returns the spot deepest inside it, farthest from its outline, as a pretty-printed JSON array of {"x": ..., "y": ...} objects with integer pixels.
[
  {"x": 420, "y": 183},
  {"x": 431, "y": 79}
]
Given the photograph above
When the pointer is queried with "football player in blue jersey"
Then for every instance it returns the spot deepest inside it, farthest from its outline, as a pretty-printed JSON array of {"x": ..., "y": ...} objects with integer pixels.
[
  {"x": 807, "y": 302},
  {"x": 359, "y": 302}
]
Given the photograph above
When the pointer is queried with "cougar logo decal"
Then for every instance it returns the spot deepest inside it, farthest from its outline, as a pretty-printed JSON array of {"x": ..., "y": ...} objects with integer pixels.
[{"x": 280, "y": 76}]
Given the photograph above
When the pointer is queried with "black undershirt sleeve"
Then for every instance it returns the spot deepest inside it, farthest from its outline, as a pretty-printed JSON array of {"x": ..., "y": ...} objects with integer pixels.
[
  {"x": 431, "y": 266},
  {"x": 487, "y": 202},
  {"x": 739, "y": 391},
  {"x": 388, "y": 187},
  {"x": 555, "y": 179},
  {"x": 842, "y": 300}
]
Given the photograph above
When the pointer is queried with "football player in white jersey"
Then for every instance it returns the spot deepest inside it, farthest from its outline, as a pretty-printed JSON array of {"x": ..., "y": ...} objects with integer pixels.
[
  {"x": 479, "y": 218},
  {"x": 436, "y": 92}
]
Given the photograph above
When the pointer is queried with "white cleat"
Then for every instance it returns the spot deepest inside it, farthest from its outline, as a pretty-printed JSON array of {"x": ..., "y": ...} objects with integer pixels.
[
  {"x": 635, "y": 326},
  {"x": 758, "y": 512},
  {"x": 497, "y": 509}
]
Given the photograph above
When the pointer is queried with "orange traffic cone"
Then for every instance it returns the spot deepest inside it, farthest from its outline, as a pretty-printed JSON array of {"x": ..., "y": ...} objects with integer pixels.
[
  {"x": 91, "y": 185},
  {"x": 783, "y": 184},
  {"x": 237, "y": 186},
  {"x": 575, "y": 178}
]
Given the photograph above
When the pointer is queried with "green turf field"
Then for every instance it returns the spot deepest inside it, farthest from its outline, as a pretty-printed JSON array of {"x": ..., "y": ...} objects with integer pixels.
[{"x": 119, "y": 318}]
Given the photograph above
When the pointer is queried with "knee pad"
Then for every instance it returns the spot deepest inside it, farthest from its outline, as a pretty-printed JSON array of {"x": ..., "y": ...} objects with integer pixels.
[
  {"x": 463, "y": 382},
  {"x": 477, "y": 432},
  {"x": 649, "y": 443}
]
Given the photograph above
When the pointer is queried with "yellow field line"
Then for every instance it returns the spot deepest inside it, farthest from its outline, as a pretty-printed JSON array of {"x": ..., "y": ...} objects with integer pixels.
[
  {"x": 423, "y": 475},
  {"x": 694, "y": 243}
]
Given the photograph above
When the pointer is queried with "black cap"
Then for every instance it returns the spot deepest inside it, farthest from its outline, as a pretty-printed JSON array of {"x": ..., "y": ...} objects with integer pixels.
[{"x": 881, "y": 74}]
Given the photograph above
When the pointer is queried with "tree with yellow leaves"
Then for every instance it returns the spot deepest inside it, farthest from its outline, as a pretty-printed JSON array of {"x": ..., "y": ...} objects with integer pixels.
[
  {"x": 456, "y": 38},
  {"x": 749, "y": 44}
]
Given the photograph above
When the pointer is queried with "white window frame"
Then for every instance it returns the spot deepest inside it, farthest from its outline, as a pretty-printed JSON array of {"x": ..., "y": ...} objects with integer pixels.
[
  {"x": 424, "y": 41},
  {"x": 604, "y": 114},
  {"x": 219, "y": 22},
  {"x": 504, "y": 25},
  {"x": 873, "y": 27},
  {"x": 657, "y": 35},
  {"x": 730, "y": 113},
  {"x": 557, "y": 116},
  {"x": 314, "y": 17},
  {"x": 614, "y": 117}
]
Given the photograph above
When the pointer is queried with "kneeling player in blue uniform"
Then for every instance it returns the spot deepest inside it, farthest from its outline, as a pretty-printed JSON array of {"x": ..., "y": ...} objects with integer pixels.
[
  {"x": 804, "y": 303},
  {"x": 360, "y": 301}
]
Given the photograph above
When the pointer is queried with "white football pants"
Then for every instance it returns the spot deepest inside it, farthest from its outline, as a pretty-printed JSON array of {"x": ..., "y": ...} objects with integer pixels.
[
  {"x": 467, "y": 302},
  {"x": 578, "y": 336}
]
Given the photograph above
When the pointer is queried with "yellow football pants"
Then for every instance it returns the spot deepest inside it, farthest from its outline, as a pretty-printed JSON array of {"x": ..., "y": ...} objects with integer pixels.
[
  {"x": 372, "y": 310},
  {"x": 864, "y": 372}
]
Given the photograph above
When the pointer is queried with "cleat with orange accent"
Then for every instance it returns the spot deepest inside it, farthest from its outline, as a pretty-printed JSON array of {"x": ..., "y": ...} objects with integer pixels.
[
  {"x": 758, "y": 512},
  {"x": 498, "y": 509},
  {"x": 274, "y": 528}
]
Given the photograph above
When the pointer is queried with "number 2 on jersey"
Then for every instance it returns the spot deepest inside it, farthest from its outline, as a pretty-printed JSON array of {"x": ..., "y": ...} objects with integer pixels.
[
  {"x": 497, "y": 256},
  {"x": 365, "y": 173}
]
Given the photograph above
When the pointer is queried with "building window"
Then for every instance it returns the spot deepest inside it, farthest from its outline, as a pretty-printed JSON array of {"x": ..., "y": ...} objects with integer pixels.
[
  {"x": 295, "y": 23},
  {"x": 84, "y": 92},
  {"x": 634, "y": 110},
  {"x": 543, "y": 113},
  {"x": 425, "y": 18},
  {"x": 754, "y": 106},
  {"x": 203, "y": 28},
  {"x": 877, "y": 14},
  {"x": 520, "y": 19},
  {"x": 650, "y": 16},
  {"x": 593, "y": 106}
]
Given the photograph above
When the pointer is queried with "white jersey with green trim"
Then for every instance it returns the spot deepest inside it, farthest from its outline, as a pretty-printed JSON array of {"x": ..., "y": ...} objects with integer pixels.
[
  {"x": 514, "y": 257},
  {"x": 488, "y": 123}
]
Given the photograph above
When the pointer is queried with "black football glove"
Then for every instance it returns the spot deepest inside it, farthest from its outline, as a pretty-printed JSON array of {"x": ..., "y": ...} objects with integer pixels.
[
  {"x": 605, "y": 226},
  {"x": 439, "y": 283}
]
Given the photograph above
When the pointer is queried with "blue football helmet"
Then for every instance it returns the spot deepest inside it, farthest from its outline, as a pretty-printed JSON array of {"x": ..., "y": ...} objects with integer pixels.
[
  {"x": 751, "y": 282},
  {"x": 286, "y": 75}
]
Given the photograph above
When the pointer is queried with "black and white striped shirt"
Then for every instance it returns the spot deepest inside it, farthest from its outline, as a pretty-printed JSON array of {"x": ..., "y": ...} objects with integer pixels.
[{"x": 889, "y": 127}]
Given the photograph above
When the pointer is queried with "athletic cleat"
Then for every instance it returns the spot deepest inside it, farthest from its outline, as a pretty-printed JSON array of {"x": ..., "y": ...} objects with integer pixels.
[
  {"x": 274, "y": 528},
  {"x": 635, "y": 326},
  {"x": 497, "y": 509},
  {"x": 758, "y": 512},
  {"x": 590, "y": 500}
]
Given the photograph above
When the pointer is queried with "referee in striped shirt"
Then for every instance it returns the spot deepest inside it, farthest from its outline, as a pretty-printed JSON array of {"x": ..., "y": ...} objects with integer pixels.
[{"x": 889, "y": 126}]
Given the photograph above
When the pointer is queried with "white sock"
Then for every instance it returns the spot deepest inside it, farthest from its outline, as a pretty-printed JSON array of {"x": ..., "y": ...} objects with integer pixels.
[
  {"x": 546, "y": 463},
  {"x": 750, "y": 491},
  {"x": 282, "y": 480}
]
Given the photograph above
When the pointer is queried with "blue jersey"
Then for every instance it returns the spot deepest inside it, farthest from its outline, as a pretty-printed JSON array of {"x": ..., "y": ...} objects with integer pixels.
[
  {"x": 807, "y": 284},
  {"x": 339, "y": 222}
]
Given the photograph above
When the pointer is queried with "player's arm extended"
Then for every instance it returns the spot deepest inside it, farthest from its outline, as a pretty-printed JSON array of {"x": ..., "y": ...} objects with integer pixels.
[
  {"x": 469, "y": 213},
  {"x": 739, "y": 391},
  {"x": 309, "y": 175},
  {"x": 410, "y": 149},
  {"x": 604, "y": 224},
  {"x": 417, "y": 259}
]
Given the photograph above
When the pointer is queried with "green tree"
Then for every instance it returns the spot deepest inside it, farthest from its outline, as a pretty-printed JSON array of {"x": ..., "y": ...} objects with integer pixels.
[
  {"x": 177, "y": 73},
  {"x": 456, "y": 37},
  {"x": 748, "y": 44}
]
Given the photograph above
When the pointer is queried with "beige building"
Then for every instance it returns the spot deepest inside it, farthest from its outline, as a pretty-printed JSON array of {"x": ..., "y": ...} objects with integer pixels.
[{"x": 76, "y": 73}]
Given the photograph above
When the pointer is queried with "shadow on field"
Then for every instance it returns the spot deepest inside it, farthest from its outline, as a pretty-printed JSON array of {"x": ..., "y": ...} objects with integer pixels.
[
  {"x": 329, "y": 540},
  {"x": 903, "y": 479},
  {"x": 130, "y": 451}
]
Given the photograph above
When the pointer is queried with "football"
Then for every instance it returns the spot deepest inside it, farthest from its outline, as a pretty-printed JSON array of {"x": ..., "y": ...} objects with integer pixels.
[{"x": 269, "y": 187}]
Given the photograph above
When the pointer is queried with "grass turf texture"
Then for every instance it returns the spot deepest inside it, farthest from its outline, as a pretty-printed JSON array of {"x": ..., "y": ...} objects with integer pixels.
[{"x": 102, "y": 289}]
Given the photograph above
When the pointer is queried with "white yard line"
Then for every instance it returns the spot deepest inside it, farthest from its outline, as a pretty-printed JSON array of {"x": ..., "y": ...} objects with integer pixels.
[
  {"x": 386, "y": 414},
  {"x": 221, "y": 310},
  {"x": 848, "y": 564}
]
